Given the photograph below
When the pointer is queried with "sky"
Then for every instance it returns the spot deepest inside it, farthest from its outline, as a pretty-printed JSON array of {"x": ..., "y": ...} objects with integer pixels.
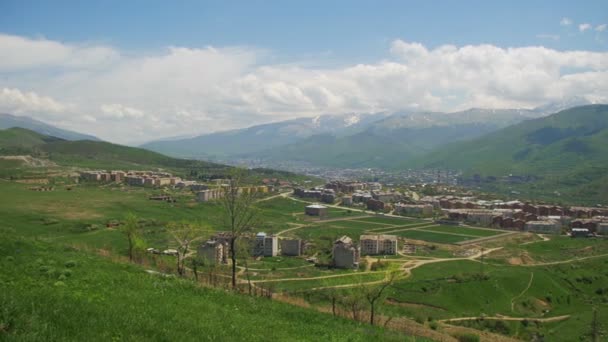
[{"x": 134, "y": 71}]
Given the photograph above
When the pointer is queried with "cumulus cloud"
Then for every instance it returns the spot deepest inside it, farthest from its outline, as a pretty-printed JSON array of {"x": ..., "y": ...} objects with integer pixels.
[
  {"x": 16, "y": 101},
  {"x": 601, "y": 28},
  {"x": 584, "y": 27},
  {"x": 565, "y": 22},
  {"x": 118, "y": 111},
  {"x": 18, "y": 53},
  {"x": 185, "y": 90}
]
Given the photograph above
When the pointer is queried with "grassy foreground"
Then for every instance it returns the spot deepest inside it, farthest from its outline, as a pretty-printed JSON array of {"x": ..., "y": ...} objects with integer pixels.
[{"x": 54, "y": 293}]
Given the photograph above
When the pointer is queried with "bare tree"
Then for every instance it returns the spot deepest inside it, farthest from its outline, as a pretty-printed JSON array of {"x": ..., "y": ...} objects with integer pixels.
[
  {"x": 131, "y": 230},
  {"x": 184, "y": 234},
  {"x": 373, "y": 295},
  {"x": 239, "y": 214}
]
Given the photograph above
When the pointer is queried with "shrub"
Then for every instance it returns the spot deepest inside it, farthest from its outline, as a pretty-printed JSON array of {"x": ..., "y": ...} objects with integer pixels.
[
  {"x": 10, "y": 258},
  {"x": 67, "y": 273},
  {"x": 433, "y": 325},
  {"x": 70, "y": 263}
]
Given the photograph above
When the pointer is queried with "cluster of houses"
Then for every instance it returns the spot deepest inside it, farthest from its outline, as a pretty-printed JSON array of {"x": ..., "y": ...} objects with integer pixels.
[
  {"x": 216, "y": 250},
  {"x": 515, "y": 215},
  {"x": 346, "y": 254},
  {"x": 132, "y": 178},
  {"x": 211, "y": 194}
]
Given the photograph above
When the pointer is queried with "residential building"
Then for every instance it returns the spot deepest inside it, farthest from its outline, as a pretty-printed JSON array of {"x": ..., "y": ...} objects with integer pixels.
[
  {"x": 291, "y": 247},
  {"x": 213, "y": 252},
  {"x": 375, "y": 205},
  {"x": 543, "y": 227},
  {"x": 580, "y": 232},
  {"x": 345, "y": 253},
  {"x": 378, "y": 244},
  {"x": 316, "y": 210},
  {"x": 265, "y": 245},
  {"x": 413, "y": 209}
]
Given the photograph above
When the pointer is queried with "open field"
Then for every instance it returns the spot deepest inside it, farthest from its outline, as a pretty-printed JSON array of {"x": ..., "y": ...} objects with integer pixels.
[
  {"x": 464, "y": 230},
  {"x": 53, "y": 293},
  {"x": 436, "y": 281}
]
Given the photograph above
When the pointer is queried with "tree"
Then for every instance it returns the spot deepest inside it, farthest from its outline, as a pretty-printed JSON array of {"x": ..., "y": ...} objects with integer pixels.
[
  {"x": 184, "y": 234},
  {"x": 374, "y": 293},
  {"x": 131, "y": 230},
  {"x": 238, "y": 213}
]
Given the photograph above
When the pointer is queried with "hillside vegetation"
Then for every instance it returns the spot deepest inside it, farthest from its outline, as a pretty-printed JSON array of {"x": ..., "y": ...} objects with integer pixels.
[
  {"x": 567, "y": 152},
  {"x": 104, "y": 155}
]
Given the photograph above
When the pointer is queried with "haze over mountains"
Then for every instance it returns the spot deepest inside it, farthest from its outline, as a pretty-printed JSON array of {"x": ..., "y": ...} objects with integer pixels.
[
  {"x": 352, "y": 140},
  {"x": 9, "y": 121}
]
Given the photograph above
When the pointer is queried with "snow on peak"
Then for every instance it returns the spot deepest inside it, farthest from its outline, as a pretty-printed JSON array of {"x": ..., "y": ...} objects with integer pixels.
[{"x": 351, "y": 120}]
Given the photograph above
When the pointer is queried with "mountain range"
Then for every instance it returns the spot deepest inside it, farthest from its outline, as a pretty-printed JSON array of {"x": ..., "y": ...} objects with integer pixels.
[
  {"x": 352, "y": 140},
  {"x": 9, "y": 121}
]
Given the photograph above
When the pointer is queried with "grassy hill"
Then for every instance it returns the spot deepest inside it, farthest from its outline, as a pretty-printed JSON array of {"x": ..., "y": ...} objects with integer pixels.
[
  {"x": 104, "y": 155},
  {"x": 54, "y": 293},
  {"x": 9, "y": 121},
  {"x": 567, "y": 152}
]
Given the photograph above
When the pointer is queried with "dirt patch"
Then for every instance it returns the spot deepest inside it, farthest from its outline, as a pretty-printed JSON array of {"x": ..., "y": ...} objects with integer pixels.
[
  {"x": 392, "y": 301},
  {"x": 515, "y": 261},
  {"x": 30, "y": 161}
]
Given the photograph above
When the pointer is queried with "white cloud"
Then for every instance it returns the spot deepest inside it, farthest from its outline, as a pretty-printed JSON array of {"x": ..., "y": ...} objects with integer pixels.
[
  {"x": 183, "y": 90},
  {"x": 18, "y": 53},
  {"x": 16, "y": 101},
  {"x": 565, "y": 22},
  {"x": 584, "y": 27},
  {"x": 601, "y": 28},
  {"x": 118, "y": 111}
]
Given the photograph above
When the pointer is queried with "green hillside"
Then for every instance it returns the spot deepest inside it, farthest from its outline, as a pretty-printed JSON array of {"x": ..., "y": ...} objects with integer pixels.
[
  {"x": 104, "y": 155},
  {"x": 54, "y": 293},
  {"x": 565, "y": 152},
  {"x": 381, "y": 145}
]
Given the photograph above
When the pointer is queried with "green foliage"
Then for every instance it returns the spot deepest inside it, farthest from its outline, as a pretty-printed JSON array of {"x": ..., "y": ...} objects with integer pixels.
[
  {"x": 566, "y": 152},
  {"x": 466, "y": 337}
]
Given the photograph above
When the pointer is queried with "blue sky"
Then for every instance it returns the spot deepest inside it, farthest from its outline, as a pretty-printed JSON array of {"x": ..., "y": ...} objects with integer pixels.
[
  {"x": 342, "y": 30},
  {"x": 187, "y": 67}
]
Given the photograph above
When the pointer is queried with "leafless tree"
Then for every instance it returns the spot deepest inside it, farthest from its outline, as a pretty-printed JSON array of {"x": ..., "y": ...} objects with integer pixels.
[
  {"x": 239, "y": 214},
  {"x": 374, "y": 295},
  {"x": 184, "y": 234}
]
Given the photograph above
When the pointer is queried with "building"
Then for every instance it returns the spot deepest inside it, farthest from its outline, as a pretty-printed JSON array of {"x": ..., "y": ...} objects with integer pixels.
[
  {"x": 209, "y": 195},
  {"x": 543, "y": 227},
  {"x": 378, "y": 244},
  {"x": 291, "y": 247},
  {"x": 316, "y": 210},
  {"x": 347, "y": 201},
  {"x": 375, "y": 205},
  {"x": 413, "y": 209},
  {"x": 602, "y": 228},
  {"x": 580, "y": 232},
  {"x": 213, "y": 252},
  {"x": 265, "y": 245},
  {"x": 345, "y": 253}
]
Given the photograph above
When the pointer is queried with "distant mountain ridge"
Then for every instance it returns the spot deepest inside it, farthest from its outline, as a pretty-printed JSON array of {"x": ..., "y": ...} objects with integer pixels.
[
  {"x": 9, "y": 121},
  {"x": 567, "y": 150}
]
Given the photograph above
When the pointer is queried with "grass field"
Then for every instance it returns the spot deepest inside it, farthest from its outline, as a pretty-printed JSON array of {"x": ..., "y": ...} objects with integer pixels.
[
  {"x": 464, "y": 231},
  {"x": 432, "y": 237},
  {"x": 391, "y": 221},
  {"x": 50, "y": 293},
  {"x": 43, "y": 230}
]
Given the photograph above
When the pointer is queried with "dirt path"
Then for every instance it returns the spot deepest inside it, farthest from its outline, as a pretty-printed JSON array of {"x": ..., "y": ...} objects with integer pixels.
[
  {"x": 507, "y": 318},
  {"x": 543, "y": 237},
  {"x": 522, "y": 292},
  {"x": 317, "y": 278},
  {"x": 485, "y": 238},
  {"x": 563, "y": 261}
]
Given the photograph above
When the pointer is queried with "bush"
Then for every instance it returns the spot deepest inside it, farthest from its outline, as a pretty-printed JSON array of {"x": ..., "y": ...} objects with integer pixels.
[
  {"x": 10, "y": 258},
  {"x": 70, "y": 263},
  {"x": 433, "y": 325},
  {"x": 467, "y": 337}
]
